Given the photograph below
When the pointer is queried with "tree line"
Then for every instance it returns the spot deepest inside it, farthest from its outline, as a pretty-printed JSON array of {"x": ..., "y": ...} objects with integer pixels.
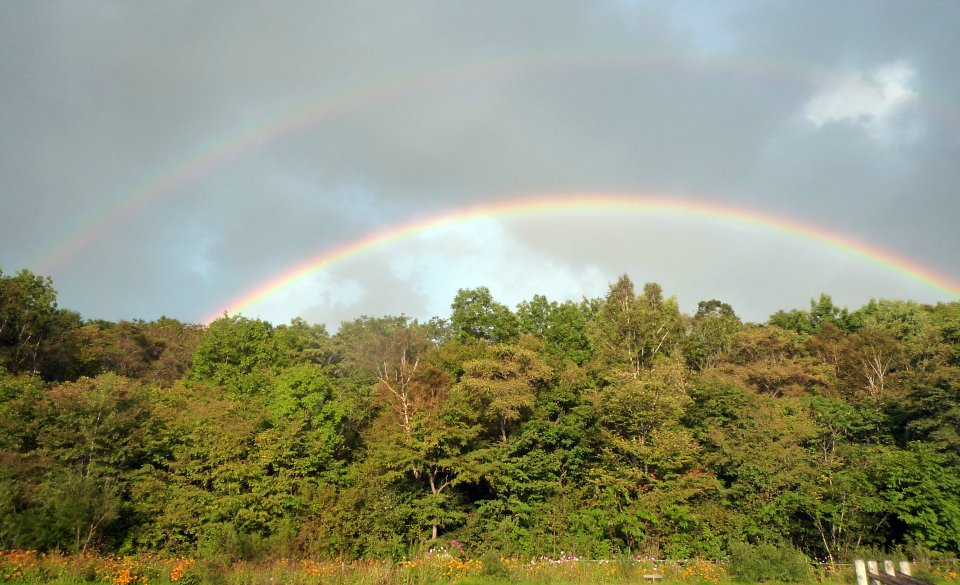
[{"x": 608, "y": 426}]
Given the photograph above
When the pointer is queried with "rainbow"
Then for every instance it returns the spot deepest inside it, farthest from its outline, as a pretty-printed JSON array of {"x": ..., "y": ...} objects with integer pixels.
[
  {"x": 234, "y": 145},
  {"x": 656, "y": 205}
]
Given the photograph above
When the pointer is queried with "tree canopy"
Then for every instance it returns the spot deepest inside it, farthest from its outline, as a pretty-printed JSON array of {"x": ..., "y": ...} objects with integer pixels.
[{"x": 607, "y": 426}]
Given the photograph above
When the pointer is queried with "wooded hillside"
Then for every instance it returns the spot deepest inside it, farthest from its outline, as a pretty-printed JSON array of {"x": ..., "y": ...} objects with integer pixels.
[{"x": 607, "y": 426}]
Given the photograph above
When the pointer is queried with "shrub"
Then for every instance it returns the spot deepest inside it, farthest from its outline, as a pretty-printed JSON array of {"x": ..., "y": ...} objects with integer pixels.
[
  {"x": 768, "y": 562},
  {"x": 493, "y": 566}
]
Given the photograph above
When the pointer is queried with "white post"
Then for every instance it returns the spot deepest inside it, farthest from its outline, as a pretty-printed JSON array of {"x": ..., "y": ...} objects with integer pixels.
[
  {"x": 905, "y": 567},
  {"x": 875, "y": 569},
  {"x": 860, "y": 568},
  {"x": 888, "y": 568}
]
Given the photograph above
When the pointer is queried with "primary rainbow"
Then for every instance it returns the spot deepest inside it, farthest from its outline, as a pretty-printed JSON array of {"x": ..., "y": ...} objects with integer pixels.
[{"x": 591, "y": 202}]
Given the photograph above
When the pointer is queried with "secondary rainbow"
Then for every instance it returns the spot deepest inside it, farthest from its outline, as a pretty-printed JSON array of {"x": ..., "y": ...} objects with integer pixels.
[
  {"x": 232, "y": 146},
  {"x": 592, "y": 202}
]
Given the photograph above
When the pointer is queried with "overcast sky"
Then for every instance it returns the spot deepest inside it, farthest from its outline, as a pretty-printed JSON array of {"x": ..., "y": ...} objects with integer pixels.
[{"x": 165, "y": 158}]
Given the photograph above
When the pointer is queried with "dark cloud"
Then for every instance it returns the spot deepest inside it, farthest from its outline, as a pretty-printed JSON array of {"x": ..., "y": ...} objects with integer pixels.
[{"x": 398, "y": 111}]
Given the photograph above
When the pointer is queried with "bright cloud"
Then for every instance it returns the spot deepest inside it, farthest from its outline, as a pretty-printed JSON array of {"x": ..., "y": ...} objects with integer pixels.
[{"x": 871, "y": 101}]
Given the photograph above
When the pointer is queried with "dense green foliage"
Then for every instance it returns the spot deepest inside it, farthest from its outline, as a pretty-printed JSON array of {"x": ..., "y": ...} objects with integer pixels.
[
  {"x": 611, "y": 426},
  {"x": 768, "y": 562}
]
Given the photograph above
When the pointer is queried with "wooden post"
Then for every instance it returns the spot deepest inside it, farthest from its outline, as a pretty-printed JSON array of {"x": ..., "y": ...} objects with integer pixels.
[
  {"x": 874, "y": 568},
  {"x": 889, "y": 569},
  {"x": 905, "y": 567},
  {"x": 860, "y": 568}
]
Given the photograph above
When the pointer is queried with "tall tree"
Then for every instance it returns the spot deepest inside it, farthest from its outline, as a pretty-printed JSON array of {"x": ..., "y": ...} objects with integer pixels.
[
  {"x": 303, "y": 342},
  {"x": 629, "y": 332},
  {"x": 178, "y": 343},
  {"x": 477, "y": 316},
  {"x": 238, "y": 353},
  {"x": 35, "y": 335},
  {"x": 388, "y": 353},
  {"x": 425, "y": 443},
  {"x": 561, "y": 326},
  {"x": 709, "y": 333},
  {"x": 821, "y": 313},
  {"x": 101, "y": 431},
  {"x": 503, "y": 384},
  {"x": 416, "y": 437}
]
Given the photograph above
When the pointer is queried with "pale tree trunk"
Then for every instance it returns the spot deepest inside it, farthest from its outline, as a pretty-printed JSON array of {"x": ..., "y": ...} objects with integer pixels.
[
  {"x": 398, "y": 384},
  {"x": 875, "y": 367}
]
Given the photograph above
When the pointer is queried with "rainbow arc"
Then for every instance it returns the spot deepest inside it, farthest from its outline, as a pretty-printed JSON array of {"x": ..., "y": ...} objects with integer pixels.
[
  {"x": 621, "y": 203},
  {"x": 233, "y": 146}
]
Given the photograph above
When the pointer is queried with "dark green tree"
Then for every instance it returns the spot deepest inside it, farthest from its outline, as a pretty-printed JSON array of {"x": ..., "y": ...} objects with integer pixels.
[
  {"x": 238, "y": 353},
  {"x": 477, "y": 316},
  {"x": 35, "y": 335},
  {"x": 561, "y": 326}
]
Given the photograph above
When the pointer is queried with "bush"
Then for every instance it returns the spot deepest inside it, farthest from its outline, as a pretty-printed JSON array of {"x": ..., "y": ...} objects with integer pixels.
[
  {"x": 493, "y": 566},
  {"x": 768, "y": 562}
]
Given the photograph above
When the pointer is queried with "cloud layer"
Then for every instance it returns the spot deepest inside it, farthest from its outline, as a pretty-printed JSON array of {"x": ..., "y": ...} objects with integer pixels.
[{"x": 304, "y": 126}]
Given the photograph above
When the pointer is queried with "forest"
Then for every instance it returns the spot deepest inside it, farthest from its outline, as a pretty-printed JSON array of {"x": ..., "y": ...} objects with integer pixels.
[{"x": 610, "y": 426}]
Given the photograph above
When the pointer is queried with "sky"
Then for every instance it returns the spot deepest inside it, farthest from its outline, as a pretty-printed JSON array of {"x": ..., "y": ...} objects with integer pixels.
[{"x": 174, "y": 158}]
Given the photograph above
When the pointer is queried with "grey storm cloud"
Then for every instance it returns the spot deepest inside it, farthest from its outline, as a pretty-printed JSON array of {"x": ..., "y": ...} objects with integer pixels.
[{"x": 371, "y": 115}]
